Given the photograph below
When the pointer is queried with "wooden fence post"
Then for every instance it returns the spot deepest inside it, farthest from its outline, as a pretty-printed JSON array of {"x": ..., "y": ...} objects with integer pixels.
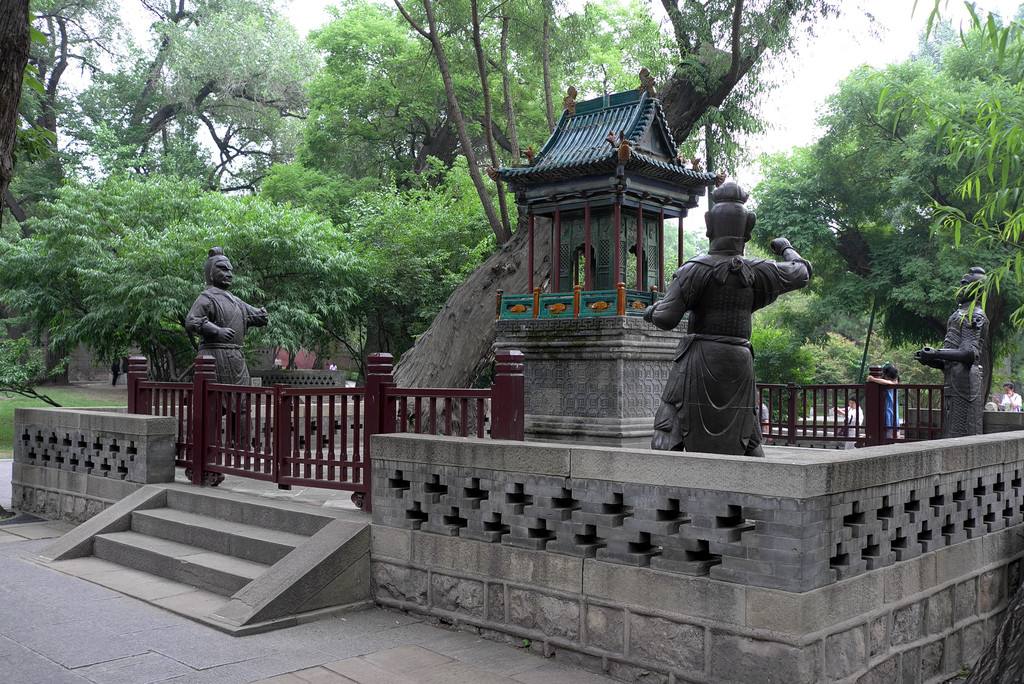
[
  {"x": 204, "y": 416},
  {"x": 377, "y": 418},
  {"x": 138, "y": 371},
  {"x": 507, "y": 396},
  {"x": 791, "y": 389},
  {"x": 282, "y": 434},
  {"x": 874, "y": 409}
]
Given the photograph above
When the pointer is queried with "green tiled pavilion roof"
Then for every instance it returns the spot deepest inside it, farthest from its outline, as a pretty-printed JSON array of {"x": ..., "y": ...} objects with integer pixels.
[{"x": 578, "y": 146}]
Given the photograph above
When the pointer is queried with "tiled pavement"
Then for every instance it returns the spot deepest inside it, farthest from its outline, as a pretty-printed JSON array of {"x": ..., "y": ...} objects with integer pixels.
[{"x": 55, "y": 628}]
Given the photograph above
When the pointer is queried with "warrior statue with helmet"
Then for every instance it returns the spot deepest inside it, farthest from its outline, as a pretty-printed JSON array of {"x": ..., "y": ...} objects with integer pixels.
[
  {"x": 220, "y": 319},
  {"x": 960, "y": 359},
  {"x": 709, "y": 403}
]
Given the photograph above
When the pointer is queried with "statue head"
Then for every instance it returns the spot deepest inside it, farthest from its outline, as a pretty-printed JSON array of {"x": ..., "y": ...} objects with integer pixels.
[
  {"x": 729, "y": 222},
  {"x": 965, "y": 293},
  {"x": 218, "y": 269}
]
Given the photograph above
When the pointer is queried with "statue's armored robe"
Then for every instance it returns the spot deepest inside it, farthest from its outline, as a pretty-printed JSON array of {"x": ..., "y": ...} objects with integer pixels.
[
  {"x": 224, "y": 310},
  {"x": 710, "y": 401},
  {"x": 963, "y": 393}
]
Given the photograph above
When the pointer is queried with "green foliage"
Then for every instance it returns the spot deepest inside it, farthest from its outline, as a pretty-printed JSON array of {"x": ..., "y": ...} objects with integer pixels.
[
  {"x": 982, "y": 133},
  {"x": 123, "y": 263},
  {"x": 779, "y": 357},
  {"x": 856, "y": 202},
  {"x": 23, "y": 368},
  {"x": 836, "y": 360},
  {"x": 230, "y": 71},
  {"x": 618, "y": 39},
  {"x": 415, "y": 246},
  {"x": 373, "y": 104}
]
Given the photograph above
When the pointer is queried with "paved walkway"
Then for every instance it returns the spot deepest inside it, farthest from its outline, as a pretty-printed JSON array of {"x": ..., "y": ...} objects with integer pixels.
[{"x": 55, "y": 628}]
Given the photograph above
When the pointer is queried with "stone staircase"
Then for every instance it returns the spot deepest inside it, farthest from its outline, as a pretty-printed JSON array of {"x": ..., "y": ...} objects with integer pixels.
[{"x": 239, "y": 563}]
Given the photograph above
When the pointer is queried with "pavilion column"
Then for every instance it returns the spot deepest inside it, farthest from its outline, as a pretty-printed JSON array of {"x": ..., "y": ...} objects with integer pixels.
[
  {"x": 529, "y": 257},
  {"x": 588, "y": 283},
  {"x": 556, "y": 252},
  {"x": 680, "y": 257},
  {"x": 640, "y": 247},
  {"x": 661, "y": 250},
  {"x": 617, "y": 229}
]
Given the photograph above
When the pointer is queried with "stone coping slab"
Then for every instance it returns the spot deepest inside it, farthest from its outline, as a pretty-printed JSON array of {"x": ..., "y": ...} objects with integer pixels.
[
  {"x": 786, "y": 471},
  {"x": 100, "y": 421}
]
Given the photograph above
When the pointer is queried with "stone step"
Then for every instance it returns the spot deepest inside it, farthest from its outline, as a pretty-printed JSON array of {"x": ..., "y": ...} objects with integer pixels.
[
  {"x": 281, "y": 516},
  {"x": 248, "y": 542},
  {"x": 198, "y": 567}
]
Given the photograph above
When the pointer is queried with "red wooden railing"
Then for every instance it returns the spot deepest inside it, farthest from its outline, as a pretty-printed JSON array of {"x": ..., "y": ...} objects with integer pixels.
[
  {"x": 799, "y": 414},
  {"x": 318, "y": 437}
]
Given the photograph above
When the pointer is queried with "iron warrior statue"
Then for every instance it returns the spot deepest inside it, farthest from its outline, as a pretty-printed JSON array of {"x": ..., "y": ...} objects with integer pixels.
[
  {"x": 960, "y": 359},
  {"x": 710, "y": 402},
  {"x": 221, "y": 319}
]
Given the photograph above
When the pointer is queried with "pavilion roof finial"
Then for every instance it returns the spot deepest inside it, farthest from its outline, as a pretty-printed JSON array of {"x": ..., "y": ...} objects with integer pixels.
[
  {"x": 569, "y": 101},
  {"x": 647, "y": 82}
]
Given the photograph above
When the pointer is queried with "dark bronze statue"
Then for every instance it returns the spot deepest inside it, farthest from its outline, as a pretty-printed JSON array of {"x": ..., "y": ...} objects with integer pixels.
[
  {"x": 710, "y": 402},
  {"x": 221, "y": 319},
  {"x": 960, "y": 359}
]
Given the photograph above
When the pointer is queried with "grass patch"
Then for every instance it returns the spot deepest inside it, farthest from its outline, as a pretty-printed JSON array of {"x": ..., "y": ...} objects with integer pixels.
[{"x": 70, "y": 396}]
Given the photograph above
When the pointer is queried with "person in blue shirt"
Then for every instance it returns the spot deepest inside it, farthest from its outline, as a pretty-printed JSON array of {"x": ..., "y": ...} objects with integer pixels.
[{"x": 891, "y": 377}]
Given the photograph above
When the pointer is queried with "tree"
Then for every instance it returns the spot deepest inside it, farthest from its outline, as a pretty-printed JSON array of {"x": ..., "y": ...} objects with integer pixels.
[
  {"x": 703, "y": 79},
  {"x": 722, "y": 48},
  {"x": 415, "y": 246},
  {"x": 984, "y": 137},
  {"x": 857, "y": 203},
  {"x": 381, "y": 122},
  {"x": 22, "y": 370},
  {"x": 123, "y": 262},
  {"x": 14, "y": 34},
  {"x": 232, "y": 71},
  {"x": 502, "y": 232},
  {"x": 779, "y": 357}
]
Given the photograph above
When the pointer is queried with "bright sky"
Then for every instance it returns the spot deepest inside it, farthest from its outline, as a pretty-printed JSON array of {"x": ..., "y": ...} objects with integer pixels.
[{"x": 807, "y": 79}]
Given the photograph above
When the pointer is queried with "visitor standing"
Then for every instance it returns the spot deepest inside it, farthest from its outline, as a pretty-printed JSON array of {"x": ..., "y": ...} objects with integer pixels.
[
  {"x": 115, "y": 372},
  {"x": 890, "y": 377},
  {"x": 853, "y": 419},
  {"x": 1010, "y": 400}
]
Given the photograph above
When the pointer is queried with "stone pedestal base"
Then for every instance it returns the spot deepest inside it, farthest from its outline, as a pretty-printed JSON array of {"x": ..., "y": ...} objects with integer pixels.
[{"x": 591, "y": 380}]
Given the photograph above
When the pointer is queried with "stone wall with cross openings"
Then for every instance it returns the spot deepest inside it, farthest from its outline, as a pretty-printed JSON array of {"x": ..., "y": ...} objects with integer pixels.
[
  {"x": 886, "y": 564},
  {"x": 100, "y": 443},
  {"x": 70, "y": 464}
]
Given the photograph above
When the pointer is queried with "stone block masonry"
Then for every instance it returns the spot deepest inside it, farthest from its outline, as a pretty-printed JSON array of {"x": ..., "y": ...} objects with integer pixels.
[
  {"x": 70, "y": 464},
  {"x": 807, "y": 566},
  {"x": 591, "y": 380}
]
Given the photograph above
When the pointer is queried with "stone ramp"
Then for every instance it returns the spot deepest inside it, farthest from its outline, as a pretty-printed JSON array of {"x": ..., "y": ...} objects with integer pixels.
[{"x": 238, "y": 563}]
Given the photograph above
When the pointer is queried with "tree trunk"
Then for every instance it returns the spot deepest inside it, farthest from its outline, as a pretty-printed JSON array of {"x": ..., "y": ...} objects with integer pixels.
[
  {"x": 995, "y": 310},
  {"x": 1003, "y": 660},
  {"x": 455, "y": 113},
  {"x": 457, "y": 345},
  {"x": 14, "y": 37},
  {"x": 549, "y": 109},
  {"x": 485, "y": 89},
  {"x": 506, "y": 90}
]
